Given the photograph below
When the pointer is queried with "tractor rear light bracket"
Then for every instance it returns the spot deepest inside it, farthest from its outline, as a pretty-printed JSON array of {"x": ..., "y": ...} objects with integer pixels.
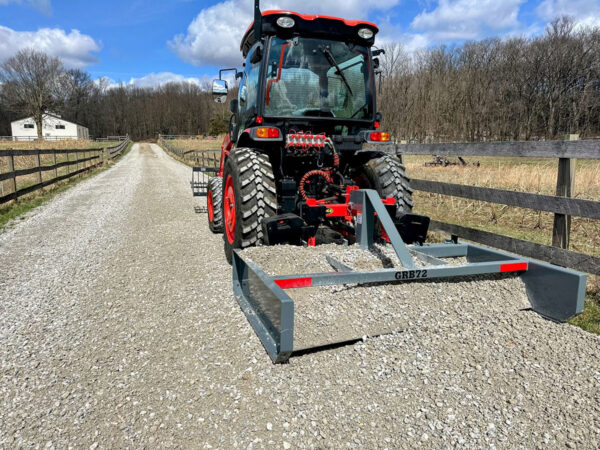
[{"x": 554, "y": 292}]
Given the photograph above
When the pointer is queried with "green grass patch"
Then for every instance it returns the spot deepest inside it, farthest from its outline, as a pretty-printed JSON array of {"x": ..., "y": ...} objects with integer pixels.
[
  {"x": 16, "y": 209},
  {"x": 589, "y": 319}
]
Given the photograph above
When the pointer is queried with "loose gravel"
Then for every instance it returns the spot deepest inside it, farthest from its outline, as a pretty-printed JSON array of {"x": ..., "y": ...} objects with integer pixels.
[{"x": 118, "y": 329}]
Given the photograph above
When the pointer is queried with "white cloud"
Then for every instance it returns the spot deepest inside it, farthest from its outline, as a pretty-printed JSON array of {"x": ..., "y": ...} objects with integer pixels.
[
  {"x": 156, "y": 80},
  {"x": 584, "y": 12},
  {"x": 74, "y": 49},
  {"x": 214, "y": 36},
  {"x": 467, "y": 19},
  {"x": 42, "y": 6},
  {"x": 411, "y": 42}
]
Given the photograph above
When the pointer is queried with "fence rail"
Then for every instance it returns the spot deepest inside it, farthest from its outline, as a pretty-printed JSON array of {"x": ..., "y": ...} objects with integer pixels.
[
  {"x": 88, "y": 158},
  {"x": 61, "y": 138},
  {"x": 112, "y": 138},
  {"x": 587, "y": 149},
  {"x": 35, "y": 138},
  {"x": 562, "y": 205},
  {"x": 170, "y": 137}
]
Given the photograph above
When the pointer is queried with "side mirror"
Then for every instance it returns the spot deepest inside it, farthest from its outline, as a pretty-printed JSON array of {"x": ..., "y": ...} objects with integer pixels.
[
  {"x": 219, "y": 91},
  {"x": 233, "y": 106},
  {"x": 243, "y": 95}
]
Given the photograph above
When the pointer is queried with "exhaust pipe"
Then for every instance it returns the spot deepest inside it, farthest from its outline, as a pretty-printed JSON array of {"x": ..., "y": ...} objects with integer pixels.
[{"x": 257, "y": 20}]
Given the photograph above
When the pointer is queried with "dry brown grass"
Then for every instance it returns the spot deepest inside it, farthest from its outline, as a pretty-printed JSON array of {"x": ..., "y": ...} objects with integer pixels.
[
  {"x": 197, "y": 144},
  {"x": 535, "y": 175},
  {"x": 66, "y": 144},
  {"x": 518, "y": 174},
  {"x": 209, "y": 148}
]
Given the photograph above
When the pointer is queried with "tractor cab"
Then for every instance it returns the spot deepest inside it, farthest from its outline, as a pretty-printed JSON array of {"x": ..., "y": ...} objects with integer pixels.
[{"x": 305, "y": 72}]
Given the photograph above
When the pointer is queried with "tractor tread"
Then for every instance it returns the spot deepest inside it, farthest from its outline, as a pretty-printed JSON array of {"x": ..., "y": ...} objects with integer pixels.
[
  {"x": 258, "y": 194},
  {"x": 394, "y": 181},
  {"x": 215, "y": 189}
]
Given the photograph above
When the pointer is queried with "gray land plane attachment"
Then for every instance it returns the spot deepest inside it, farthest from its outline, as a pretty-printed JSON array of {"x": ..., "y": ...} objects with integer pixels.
[{"x": 554, "y": 292}]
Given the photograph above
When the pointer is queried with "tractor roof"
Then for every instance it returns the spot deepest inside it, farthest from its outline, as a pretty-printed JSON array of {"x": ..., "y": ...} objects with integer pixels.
[{"x": 309, "y": 25}]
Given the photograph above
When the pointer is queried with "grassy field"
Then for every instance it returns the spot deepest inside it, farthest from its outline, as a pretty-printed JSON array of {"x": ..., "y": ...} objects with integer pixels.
[
  {"x": 534, "y": 175},
  {"x": 197, "y": 144},
  {"x": 13, "y": 210},
  {"x": 519, "y": 174}
]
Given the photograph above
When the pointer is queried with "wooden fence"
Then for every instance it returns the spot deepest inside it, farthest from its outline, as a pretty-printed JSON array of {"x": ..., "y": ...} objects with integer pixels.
[
  {"x": 561, "y": 204},
  {"x": 199, "y": 157},
  {"x": 188, "y": 137},
  {"x": 75, "y": 161}
]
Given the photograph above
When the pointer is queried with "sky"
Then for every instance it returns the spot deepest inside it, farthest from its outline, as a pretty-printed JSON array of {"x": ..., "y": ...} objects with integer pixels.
[{"x": 151, "y": 42}]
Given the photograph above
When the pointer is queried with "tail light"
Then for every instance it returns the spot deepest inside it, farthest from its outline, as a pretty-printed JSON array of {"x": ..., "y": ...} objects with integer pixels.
[
  {"x": 379, "y": 136},
  {"x": 266, "y": 133}
]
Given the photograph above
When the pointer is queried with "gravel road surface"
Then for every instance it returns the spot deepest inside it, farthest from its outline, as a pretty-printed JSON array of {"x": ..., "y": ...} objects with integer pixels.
[{"x": 118, "y": 329}]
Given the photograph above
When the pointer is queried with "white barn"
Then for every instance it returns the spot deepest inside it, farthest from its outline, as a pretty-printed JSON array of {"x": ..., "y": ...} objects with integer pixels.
[{"x": 53, "y": 127}]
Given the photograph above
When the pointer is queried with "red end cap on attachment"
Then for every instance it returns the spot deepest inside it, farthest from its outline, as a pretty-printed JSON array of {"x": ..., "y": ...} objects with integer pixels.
[
  {"x": 291, "y": 283},
  {"x": 513, "y": 267}
]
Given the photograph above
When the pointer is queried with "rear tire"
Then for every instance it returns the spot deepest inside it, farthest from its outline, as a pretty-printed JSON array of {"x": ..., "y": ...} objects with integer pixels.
[
  {"x": 249, "y": 196},
  {"x": 387, "y": 175},
  {"x": 215, "y": 204}
]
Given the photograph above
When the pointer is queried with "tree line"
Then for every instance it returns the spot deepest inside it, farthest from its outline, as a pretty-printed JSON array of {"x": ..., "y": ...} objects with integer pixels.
[
  {"x": 494, "y": 89},
  {"x": 33, "y": 83},
  {"x": 515, "y": 89}
]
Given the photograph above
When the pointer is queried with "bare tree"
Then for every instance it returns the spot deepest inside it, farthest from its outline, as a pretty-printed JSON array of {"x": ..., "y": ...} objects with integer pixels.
[{"x": 32, "y": 84}]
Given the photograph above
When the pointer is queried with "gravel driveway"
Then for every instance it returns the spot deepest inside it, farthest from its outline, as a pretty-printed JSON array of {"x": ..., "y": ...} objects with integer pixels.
[{"x": 118, "y": 329}]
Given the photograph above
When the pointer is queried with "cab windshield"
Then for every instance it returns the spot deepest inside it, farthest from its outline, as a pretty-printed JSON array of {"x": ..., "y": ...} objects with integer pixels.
[{"x": 316, "y": 77}]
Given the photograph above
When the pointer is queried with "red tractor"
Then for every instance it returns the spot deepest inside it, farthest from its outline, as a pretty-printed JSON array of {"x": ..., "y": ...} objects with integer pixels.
[{"x": 303, "y": 135}]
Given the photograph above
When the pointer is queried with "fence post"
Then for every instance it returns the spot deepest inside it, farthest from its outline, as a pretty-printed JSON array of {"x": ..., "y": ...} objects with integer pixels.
[
  {"x": 398, "y": 154},
  {"x": 76, "y": 161},
  {"x": 565, "y": 184},
  {"x": 11, "y": 168},
  {"x": 38, "y": 160},
  {"x": 54, "y": 163}
]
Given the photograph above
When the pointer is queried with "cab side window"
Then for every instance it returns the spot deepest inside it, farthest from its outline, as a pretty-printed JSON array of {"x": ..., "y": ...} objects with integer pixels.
[{"x": 248, "y": 96}]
